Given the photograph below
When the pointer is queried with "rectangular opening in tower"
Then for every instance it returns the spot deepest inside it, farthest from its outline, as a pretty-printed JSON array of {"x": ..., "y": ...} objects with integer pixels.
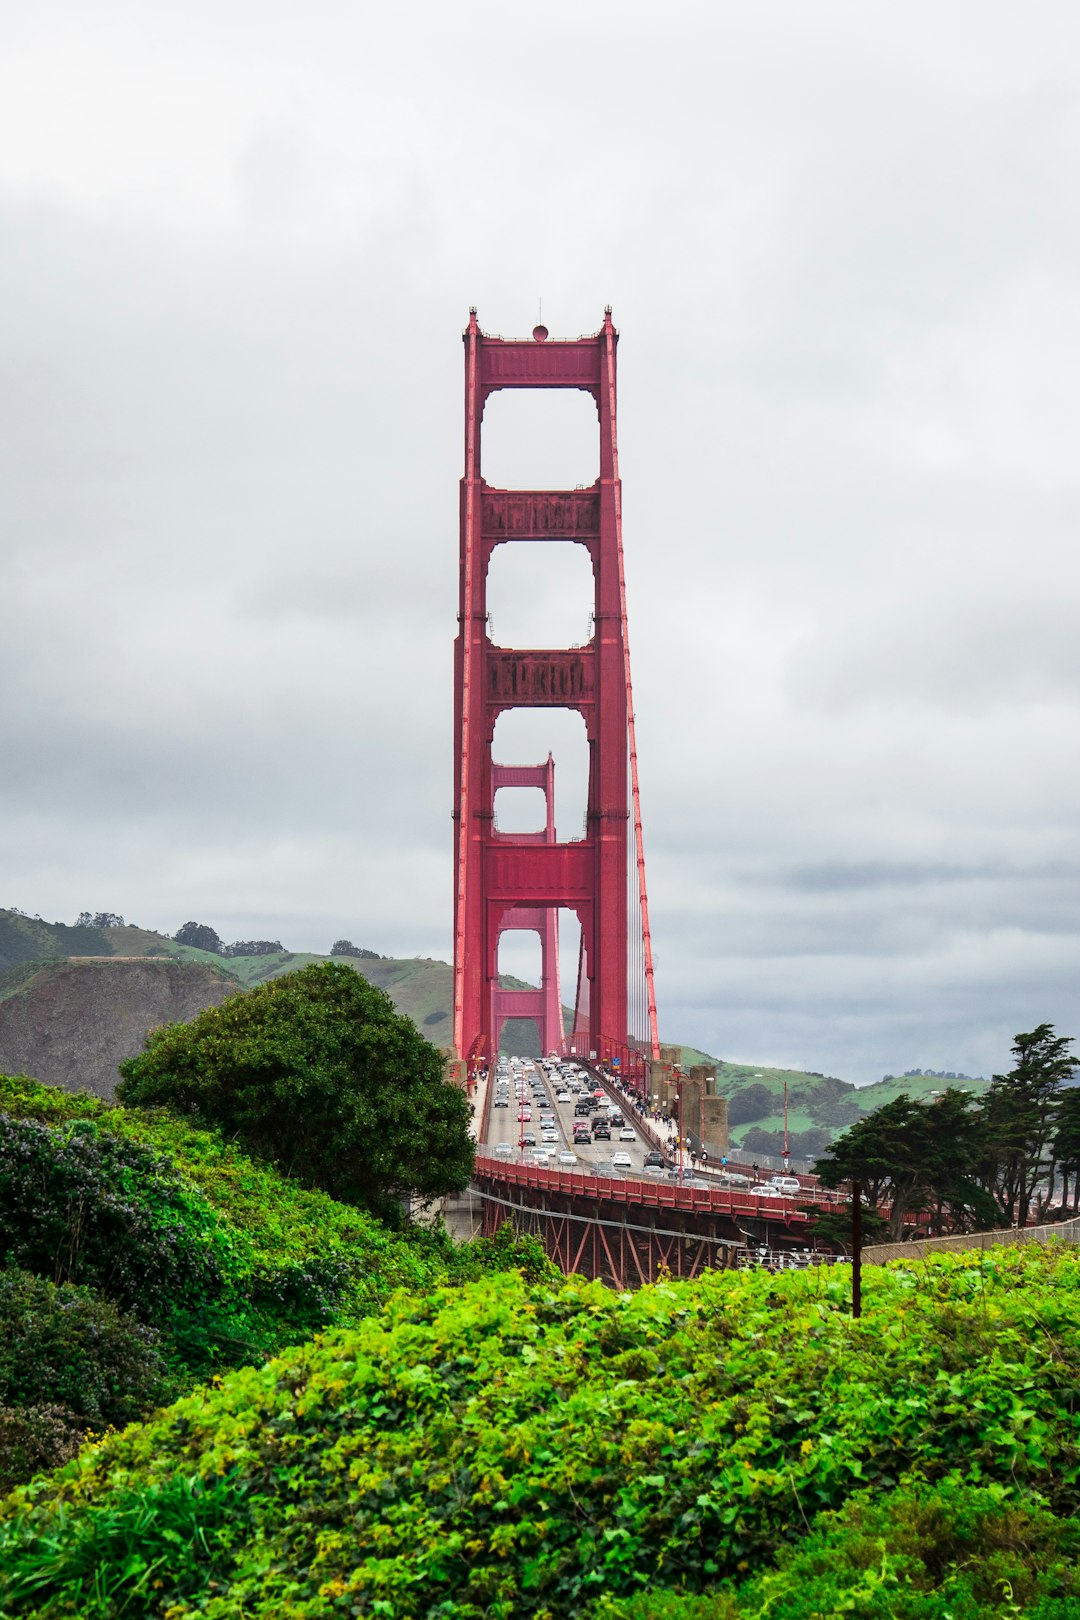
[
  {"x": 540, "y": 438},
  {"x": 540, "y": 594},
  {"x": 520, "y": 810},
  {"x": 520, "y": 956},
  {"x": 527, "y": 736}
]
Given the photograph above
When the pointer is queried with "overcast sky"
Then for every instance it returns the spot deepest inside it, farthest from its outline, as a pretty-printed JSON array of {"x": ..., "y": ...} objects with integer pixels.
[{"x": 238, "y": 243}]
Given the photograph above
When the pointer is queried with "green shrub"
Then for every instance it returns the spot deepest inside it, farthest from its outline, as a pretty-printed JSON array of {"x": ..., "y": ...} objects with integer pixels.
[
  {"x": 316, "y": 1072},
  {"x": 922, "y": 1552},
  {"x": 503, "y": 1451},
  {"x": 79, "y": 1204},
  {"x": 294, "y": 1259},
  {"x": 34, "y": 1439},
  {"x": 69, "y": 1361},
  {"x": 66, "y": 1347}
]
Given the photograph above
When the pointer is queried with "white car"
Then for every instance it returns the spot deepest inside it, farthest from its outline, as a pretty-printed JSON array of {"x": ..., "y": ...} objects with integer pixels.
[
  {"x": 503, "y": 1150},
  {"x": 562, "y": 1096},
  {"x": 550, "y": 1137},
  {"x": 567, "y": 1158},
  {"x": 627, "y": 1135},
  {"x": 622, "y": 1161},
  {"x": 765, "y": 1189}
]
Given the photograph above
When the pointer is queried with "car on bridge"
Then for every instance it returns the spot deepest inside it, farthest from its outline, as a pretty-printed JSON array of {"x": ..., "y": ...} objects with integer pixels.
[
  {"x": 501, "y": 1102},
  {"x": 627, "y": 1135},
  {"x": 566, "y": 1158},
  {"x": 528, "y": 1139},
  {"x": 765, "y": 1189},
  {"x": 654, "y": 1159},
  {"x": 601, "y": 1132},
  {"x": 622, "y": 1161}
]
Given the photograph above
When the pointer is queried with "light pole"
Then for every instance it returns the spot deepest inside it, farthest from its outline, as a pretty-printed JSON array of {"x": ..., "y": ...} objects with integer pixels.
[{"x": 787, "y": 1150}]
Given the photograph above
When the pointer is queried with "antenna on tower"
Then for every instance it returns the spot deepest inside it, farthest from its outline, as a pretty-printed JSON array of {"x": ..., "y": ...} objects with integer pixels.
[{"x": 540, "y": 331}]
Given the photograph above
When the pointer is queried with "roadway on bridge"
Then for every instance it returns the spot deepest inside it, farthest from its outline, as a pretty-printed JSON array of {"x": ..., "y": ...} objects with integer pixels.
[{"x": 505, "y": 1126}]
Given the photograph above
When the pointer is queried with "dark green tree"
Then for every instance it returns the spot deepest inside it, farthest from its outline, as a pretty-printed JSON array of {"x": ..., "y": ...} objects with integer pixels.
[
  {"x": 1019, "y": 1112},
  {"x": 1067, "y": 1143},
  {"x": 914, "y": 1157},
  {"x": 345, "y": 947},
  {"x": 201, "y": 936},
  {"x": 317, "y": 1072},
  {"x": 751, "y": 1102}
]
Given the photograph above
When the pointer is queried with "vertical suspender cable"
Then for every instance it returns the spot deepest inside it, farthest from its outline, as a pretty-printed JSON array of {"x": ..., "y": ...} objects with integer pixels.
[{"x": 639, "y": 842}]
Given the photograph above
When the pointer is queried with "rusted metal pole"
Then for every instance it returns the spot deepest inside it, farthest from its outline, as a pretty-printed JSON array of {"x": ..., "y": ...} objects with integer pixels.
[{"x": 856, "y": 1248}]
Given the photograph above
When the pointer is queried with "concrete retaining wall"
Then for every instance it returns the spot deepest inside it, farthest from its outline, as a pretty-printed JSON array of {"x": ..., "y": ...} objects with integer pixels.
[{"x": 1058, "y": 1232}]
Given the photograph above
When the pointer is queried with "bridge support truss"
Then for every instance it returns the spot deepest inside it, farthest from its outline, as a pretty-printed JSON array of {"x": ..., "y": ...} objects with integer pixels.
[{"x": 508, "y": 880}]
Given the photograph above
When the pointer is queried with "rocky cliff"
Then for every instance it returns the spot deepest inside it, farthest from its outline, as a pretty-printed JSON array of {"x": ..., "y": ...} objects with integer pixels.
[{"x": 72, "y": 1022}]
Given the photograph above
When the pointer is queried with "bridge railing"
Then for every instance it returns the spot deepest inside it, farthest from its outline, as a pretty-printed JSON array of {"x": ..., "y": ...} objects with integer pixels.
[{"x": 641, "y": 1191}]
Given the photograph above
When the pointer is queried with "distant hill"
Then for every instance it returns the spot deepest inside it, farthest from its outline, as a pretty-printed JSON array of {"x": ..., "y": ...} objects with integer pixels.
[
  {"x": 75, "y": 1001},
  {"x": 819, "y": 1105}
]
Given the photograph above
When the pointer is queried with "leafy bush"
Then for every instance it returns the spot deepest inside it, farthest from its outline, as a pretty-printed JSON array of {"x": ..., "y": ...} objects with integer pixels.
[
  {"x": 66, "y": 1347},
  {"x": 297, "y": 1259},
  {"x": 512, "y": 1451},
  {"x": 229, "y": 1259},
  {"x": 318, "y": 1073},
  {"x": 943, "y": 1552},
  {"x": 80, "y": 1205},
  {"x": 69, "y": 1361},
  {"x": 34, "y": 1439}
]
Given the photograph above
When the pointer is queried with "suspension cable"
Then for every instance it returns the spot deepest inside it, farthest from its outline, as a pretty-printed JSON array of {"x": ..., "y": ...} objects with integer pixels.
[{"x": 639, "y": 841}]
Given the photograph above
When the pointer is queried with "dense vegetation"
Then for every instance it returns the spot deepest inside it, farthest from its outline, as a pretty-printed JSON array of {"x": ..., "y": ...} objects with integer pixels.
[
  {"x": 556, "y": 1450},
  {"x": 316, "y": 1072},
  {"x": 145, "y": 1254},
  {"x": 962, "y": 1162}
]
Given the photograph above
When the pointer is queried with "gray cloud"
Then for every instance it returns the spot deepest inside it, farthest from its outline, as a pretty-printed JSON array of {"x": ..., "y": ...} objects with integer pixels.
[{"x": 236, "y": 250}]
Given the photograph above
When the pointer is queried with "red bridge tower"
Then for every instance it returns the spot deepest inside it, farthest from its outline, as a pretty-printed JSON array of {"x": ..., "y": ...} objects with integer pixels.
[{"x": 520, "y": 880}]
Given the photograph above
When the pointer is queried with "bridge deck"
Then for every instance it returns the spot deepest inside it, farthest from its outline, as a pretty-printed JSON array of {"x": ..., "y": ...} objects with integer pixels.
[{"x": 643, "y": 1193}]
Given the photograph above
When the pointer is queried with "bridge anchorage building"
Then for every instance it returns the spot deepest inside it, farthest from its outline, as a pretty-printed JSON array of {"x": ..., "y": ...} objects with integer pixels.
[{"x": 520, "y": 881}]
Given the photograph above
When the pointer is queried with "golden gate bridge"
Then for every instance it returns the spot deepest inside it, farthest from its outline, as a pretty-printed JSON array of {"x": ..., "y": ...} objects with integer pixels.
[{"x": 624, "y": 1229}]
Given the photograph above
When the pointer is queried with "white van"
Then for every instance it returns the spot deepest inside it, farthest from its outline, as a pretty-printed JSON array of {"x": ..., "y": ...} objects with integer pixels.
[{"x": 788, "y": 1184}]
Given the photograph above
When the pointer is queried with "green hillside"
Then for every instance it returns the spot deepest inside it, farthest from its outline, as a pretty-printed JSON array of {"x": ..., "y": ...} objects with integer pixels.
[
  {"x": 819, "y": 1105},
  {"x": 916, "y": 1085},
  {"x": 29, "y": 939}
]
